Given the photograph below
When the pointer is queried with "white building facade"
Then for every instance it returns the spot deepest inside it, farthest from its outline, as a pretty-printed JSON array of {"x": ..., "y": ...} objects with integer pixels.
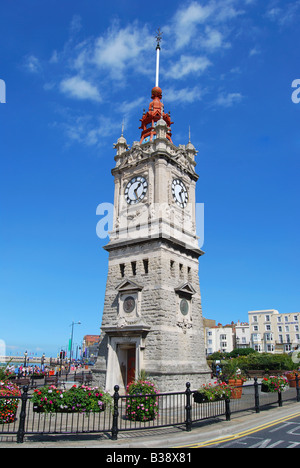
[
  {"x": 273, "y": 332},
  {"x": 242, "y": 335},
  {"x": 220, "y": 339}
]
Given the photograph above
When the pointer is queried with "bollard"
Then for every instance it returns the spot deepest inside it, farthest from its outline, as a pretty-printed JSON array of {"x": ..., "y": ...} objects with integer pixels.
[
  {"x": 280, "y": 399},
  {"x": 188, "y": 421},
  {"x": 257, "y": 408},
  {"x": 227, "y": 409},
  {"x": 297, "y": 387},
  {"x": 21, "y": 430},
  {"x": 114, "y": 430}
]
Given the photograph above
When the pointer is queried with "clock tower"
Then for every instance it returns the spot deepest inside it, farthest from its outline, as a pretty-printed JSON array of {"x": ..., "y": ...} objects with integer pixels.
[{"x": 152, "y": 316}]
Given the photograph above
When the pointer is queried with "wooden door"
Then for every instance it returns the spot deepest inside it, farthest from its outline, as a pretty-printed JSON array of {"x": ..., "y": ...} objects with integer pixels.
[{"x": 130, "y": 365}]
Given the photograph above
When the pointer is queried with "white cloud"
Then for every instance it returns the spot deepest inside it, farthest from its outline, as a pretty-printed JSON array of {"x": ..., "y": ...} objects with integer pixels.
[
  {"x": 228, "y": 100},
  {"x": 187, "y": 19},
  {"x": 212, "y": 39},
  {"x": 86, "y": 130},
  {"x": 226, "y": 10},
  {"x": 188, "y": 64},
  {"x": 75, "y": 25},
  {"x": 284, "y": 16},
  {"x": 184, "y": 95},
  {"x": 129, "y": 106},
  {"x": 115, "y": 52},
  {"x": 96, "y": 67},
  {"x": 273, "y": 13},
  {"x": 54, "y": 57},
  {"x": 121, "y": 51},
  {"x": 32, "y": 64},
  {"x": 79, "y": 88},
  {"x": 254, "y": 51},
  {"x": 121, "y": 48}
]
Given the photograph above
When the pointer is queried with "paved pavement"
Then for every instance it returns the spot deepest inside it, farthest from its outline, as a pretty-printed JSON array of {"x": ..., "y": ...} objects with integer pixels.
[
  {"x": 282, "y": 433},
  {"x": 175, "y": 438}
]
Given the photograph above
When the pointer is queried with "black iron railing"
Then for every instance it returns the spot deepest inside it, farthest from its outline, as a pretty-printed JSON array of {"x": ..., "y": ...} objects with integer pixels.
[
  {"x": 173, "y": 409},
  {"x": 52, "y": 378}
]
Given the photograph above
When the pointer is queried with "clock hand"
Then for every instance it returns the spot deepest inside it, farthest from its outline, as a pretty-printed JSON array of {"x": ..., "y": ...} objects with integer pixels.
[{"x": 136, "y": 189}]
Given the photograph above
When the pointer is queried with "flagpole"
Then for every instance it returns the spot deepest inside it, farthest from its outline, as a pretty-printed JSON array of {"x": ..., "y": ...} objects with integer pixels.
[{"x": 158, "y": 38}]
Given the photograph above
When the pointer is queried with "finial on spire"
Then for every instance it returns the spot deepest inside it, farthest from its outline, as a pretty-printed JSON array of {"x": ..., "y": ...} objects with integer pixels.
[
  {"x": 158, "y": 39},
  {"x": 189, "y": 134}
]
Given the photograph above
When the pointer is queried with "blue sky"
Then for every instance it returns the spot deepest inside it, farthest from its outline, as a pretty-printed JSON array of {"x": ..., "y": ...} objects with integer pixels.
[{"x": 73, "y": 72}]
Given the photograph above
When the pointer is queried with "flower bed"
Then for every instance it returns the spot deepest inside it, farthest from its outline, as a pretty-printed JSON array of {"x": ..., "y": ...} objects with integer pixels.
[
  {"x": 143, "y": 402},
  {"x": 9, "y": 405},
  {"x": 273, "y": 384},
  {"x": 38, "y": 375},
  {"x": 82, "y": 399},
  {"x": 210, "y": 392}
]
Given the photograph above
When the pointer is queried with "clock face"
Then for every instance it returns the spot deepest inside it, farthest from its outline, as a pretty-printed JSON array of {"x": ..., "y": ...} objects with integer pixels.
[
  {"x": 136, "y": 189},
  {"x": 180, "y": 193}
]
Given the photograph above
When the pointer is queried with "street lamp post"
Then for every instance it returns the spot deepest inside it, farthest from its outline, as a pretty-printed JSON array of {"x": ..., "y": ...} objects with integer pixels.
[{"x": 71, "y": 344}]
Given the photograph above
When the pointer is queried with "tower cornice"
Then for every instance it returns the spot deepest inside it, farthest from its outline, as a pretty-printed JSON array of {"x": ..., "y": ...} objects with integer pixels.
[
  {"x": 159, "y": 237},
  {"x": 179, "y": 156}
]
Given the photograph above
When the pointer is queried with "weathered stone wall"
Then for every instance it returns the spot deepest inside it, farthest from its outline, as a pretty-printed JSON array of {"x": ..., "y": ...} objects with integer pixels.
[{"x": 174, "y": 347}]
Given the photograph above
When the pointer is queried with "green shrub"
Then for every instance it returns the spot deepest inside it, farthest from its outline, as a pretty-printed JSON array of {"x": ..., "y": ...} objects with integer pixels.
[
  {"x": 263, "y": 361},
  {"x": 242, "y": 352}
]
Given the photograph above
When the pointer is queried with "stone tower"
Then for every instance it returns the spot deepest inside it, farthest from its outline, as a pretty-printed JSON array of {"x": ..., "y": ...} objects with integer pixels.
[{"x": 152, "y": 317}]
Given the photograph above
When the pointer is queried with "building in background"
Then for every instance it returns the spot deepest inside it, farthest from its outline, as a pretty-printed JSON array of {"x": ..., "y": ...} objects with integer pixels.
[
  {"x": 220, "y": 338},
  {"x": 273, "y": 332},
  {"x": 268, "y": 331},
  {"x": 90, "y": 346},
  {"x": 207, "y": 324},
  {"x": 242, "y": 335}
]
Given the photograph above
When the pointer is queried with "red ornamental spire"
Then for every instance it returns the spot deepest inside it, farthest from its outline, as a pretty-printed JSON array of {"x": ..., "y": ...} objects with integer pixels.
[
  {"x": 156, "y": 107},
  {"x": 155, "y": 113}
]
